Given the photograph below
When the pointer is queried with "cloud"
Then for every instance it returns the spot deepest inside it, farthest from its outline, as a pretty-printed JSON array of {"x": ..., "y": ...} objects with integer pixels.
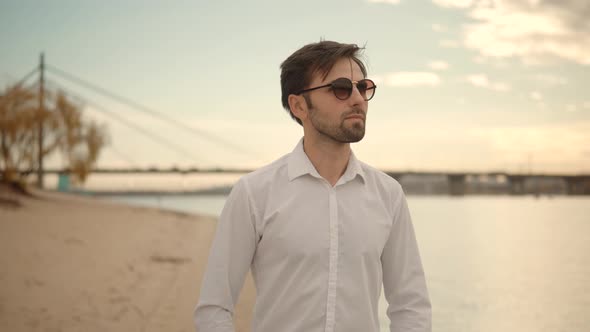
[
  {"x": 482, "y": 81},
  {"x": 448, "y": 43},
  {"x": 571, "y": 108},
  {"x": 536, "y": 31},
  {"x": 496, "y": 62},
  {"x": 553, "y": 147},
  {"x": 393, "y": 2},
  {"x": 409, "y": 79},
  {"x": 454, "y": 3},
  {"x": 438, "y": 27},
  {"x": 468, "y": 144},
  {"x": 438, "y": 65},
  {"x": 550, "y": 80},
  {"x": 536, "y": 96}
]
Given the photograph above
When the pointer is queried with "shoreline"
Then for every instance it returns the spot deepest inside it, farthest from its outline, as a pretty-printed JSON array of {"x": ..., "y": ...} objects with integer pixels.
[{"x": 85, "y": 264}]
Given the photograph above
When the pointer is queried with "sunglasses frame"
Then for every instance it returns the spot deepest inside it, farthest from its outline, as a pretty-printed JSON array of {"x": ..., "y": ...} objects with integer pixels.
[{"x": 374, "y": 88}]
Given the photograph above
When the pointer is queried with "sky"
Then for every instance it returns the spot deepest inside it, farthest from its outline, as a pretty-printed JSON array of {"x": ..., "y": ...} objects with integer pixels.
[{"x": 462, "y": 85}]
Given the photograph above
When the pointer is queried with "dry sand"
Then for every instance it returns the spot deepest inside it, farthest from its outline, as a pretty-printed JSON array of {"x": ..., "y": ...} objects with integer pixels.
[{"x": 80, "y": 264}]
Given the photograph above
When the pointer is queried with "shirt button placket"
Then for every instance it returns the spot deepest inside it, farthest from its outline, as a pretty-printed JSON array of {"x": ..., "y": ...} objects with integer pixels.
[{"x": 333, "y": 262}]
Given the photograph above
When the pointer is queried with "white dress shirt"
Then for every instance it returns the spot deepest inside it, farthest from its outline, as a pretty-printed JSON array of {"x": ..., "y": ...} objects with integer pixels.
[{"x": 319, "y": 254}]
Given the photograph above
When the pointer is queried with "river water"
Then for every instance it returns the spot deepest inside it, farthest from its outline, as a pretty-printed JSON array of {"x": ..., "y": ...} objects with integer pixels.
[{"x": 493, "y": 263}]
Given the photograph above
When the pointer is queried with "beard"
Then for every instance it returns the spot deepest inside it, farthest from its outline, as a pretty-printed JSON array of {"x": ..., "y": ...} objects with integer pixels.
[{"x": 339, "y": 132}]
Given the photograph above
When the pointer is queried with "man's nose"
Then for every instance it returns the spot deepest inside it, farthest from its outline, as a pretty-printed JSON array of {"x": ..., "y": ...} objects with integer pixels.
[{"x": 356, "y": 97}]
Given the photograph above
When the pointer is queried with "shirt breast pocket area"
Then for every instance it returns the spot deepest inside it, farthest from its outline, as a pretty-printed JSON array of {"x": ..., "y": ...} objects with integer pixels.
[
  {"x": 366, "y": 229},
  {"x": 298, "y": 235}
]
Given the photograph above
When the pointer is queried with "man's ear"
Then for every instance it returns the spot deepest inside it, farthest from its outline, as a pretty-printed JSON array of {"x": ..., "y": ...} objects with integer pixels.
[{"x": 298, "y": 106}]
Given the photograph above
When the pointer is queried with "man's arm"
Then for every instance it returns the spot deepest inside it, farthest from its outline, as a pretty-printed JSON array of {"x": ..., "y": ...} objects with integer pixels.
[
  {"x": 230, "y": 257},
  {"x": 404, "y": 283}
]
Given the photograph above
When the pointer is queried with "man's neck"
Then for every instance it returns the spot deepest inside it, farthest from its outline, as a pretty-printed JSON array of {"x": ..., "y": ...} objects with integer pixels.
[{"x": 330, "y": 158}]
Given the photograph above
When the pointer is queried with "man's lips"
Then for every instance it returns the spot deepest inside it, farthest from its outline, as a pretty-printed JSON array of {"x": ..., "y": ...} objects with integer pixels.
[{"x": 355, "y": 116}]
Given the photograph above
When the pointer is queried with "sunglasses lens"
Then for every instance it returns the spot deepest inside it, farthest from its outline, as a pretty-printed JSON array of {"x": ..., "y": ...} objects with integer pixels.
[
  {"x": 366, "y": 88},
  {"x": 342, "y": 88}
]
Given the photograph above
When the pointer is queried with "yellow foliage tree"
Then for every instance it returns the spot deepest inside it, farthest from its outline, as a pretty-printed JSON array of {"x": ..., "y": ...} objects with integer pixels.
[{"x": 64, "y": 128}]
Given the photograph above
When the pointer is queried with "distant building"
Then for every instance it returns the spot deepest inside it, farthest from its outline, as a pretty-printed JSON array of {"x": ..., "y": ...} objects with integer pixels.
[
  {"x": 414, "y": 184},
  {"x": 545, "y": 186},
  {"x": 486, "y": 184}
]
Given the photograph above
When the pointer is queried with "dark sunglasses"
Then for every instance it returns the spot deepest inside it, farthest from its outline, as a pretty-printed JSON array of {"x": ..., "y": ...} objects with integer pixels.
[{"x": 342, "y": 88}]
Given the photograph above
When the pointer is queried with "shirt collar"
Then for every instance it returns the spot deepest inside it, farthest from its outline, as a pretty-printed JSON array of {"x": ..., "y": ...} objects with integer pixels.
[{"x": 299, "y": 164}]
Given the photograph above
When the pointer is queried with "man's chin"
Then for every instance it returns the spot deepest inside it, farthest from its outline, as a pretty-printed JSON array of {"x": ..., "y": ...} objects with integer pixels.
[
  {"x": 357, "y": 137},
  {"x": 355, "y": 133}
]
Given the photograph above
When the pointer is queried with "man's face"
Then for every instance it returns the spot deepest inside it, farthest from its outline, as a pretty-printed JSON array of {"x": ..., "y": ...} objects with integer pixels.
[{"x": 342, "y": 121}]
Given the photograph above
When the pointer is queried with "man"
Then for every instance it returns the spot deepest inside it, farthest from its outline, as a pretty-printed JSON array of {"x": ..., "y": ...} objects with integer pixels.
[{"x": 321, "y": 231}]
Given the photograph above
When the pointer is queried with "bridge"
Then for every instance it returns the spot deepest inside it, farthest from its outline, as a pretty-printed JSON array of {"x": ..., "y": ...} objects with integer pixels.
[
  {"x": 445, "y": 183},
  {"x": 462, "y": 183},
  {"x": 451, "y": 183}
]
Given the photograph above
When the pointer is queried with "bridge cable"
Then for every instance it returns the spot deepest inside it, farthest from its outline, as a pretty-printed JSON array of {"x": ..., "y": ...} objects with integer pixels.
[
  {"x": 152, "y": 136},
  {"x": 145, "y": 109},
  {"x": 27, "y": 76}
]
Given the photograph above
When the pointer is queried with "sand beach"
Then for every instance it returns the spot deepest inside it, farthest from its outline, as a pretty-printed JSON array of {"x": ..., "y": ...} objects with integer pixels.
[{"x": 73, "y": 263}]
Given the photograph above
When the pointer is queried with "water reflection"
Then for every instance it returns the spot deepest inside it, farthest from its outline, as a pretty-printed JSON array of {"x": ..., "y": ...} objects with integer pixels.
[
  {"x": 505, "y": 263},
  {"x": 492, "y": 263}
]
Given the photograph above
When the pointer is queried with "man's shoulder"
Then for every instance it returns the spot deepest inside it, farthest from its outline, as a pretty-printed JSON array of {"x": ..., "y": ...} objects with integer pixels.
[
  {"x": 380, "y": 178},
  {"x": 267, "y": 173}
]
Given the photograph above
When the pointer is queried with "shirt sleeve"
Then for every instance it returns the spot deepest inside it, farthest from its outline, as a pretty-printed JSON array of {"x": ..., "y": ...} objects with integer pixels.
[
  {"x": 404, "y": 282},
  {"x": 229, "y": 260}
]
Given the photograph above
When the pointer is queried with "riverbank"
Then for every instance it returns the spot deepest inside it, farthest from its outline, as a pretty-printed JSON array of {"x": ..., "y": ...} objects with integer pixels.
[{"x": 80, "y": 264}]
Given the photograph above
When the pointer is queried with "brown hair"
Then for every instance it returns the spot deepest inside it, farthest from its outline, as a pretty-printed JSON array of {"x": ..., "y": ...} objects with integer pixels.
[{"x": 297, "y": 69}]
